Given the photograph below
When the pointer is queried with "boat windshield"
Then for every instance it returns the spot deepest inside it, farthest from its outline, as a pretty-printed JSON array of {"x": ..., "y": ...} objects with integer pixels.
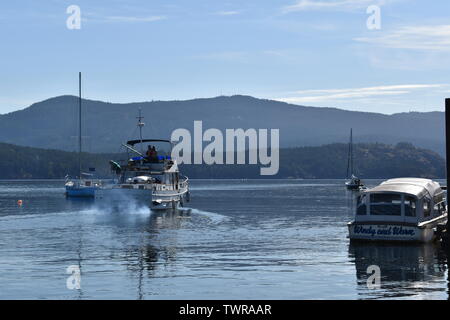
[
  {"x": 153, "y": 151},
  {"x": 385, "y": 204},
  {"x": 156, "y": 148}
]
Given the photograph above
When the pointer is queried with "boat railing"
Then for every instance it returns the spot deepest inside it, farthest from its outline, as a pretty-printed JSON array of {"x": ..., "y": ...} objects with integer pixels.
[
  {"x": 87, "y": 182},
  {"x": 92, "y": 182},
  {"x": 184, "y": 183},
  {"x": 169, "y": 187},
  {"x": 156, "y": 186},
  {"x": 163, "y": 187}
]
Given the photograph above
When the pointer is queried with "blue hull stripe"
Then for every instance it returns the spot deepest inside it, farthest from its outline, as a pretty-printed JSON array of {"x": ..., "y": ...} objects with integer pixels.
[{"x": 80, "y": 192}]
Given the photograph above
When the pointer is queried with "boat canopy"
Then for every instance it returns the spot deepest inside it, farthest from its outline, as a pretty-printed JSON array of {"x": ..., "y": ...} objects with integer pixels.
[
  {"x": 133, "y": 142},
  {"x": 414, "y": 186}
]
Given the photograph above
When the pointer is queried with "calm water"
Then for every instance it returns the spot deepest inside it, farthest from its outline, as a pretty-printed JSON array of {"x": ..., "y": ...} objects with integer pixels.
[{"x": 282, "y": 239}]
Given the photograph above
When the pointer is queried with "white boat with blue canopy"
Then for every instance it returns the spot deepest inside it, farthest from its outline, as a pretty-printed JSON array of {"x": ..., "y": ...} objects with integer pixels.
[
  {"x": 403, "y": 209},
  {"x": 149, "y": 178}
]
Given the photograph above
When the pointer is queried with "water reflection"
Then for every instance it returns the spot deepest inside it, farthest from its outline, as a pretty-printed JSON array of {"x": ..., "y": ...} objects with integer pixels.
[
  {"x": 151, "y": 251},
  {"x": 407, "y": 270},
  {"x": 79, "y": 251},
  {"x": 168, "y": 219},
  {"x": 148, "y": 255},
  {"x": 350, "y": 197}
]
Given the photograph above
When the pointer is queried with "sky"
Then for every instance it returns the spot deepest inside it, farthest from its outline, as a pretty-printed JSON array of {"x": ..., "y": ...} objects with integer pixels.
[{"x": 308, "y": 52}]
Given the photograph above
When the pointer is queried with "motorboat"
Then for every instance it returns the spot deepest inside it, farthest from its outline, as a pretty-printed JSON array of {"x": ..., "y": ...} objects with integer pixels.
[
  {"x": 403, "y": 209},
  {"x": 150, "y": 178}
]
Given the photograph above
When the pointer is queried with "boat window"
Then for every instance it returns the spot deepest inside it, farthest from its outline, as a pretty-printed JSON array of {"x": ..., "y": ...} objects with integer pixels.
[
  {"x": 410, "y": 206},
  {"x": 385, "y": 198},
  {"x": 439, "y": 208},
  {"x": 385, "y": 209},
  {"x": 426, "y": 208},
  {"x": 385, "y": 204}
]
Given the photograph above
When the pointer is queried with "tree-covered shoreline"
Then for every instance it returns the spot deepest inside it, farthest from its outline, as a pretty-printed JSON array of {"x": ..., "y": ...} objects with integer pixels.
[{"x": 372, "y": 160}]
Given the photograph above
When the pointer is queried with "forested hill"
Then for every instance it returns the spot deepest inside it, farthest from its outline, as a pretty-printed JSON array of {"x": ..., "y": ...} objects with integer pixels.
[
  {"x": 328, "y": 161},
  {"x": 17, "y": 162},
  {"x": 53, "y": 123}
]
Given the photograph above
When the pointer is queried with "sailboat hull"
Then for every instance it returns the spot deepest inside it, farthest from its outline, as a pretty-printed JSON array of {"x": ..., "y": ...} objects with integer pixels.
[
  {"x": 351, "y": 186},
  {"x": 81, "y": 192}
]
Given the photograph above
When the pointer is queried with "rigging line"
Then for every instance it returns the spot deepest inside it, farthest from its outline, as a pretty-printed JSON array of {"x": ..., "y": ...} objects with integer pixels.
[{"x": 140, "y": 125}]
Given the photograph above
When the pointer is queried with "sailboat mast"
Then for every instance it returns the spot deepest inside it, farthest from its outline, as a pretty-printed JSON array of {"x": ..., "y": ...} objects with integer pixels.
[
  {"x": 140, "y": 125},
  {"x": 351, "y": 151},
  {"x": 348, "y": 157},
  {"x": 79, "y": 123}
]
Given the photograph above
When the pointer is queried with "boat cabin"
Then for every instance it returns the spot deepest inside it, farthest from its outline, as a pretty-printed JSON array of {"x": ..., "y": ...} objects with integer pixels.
[
  {"x": 156, "y": 171},
  {"x": 407, "y": 200}
]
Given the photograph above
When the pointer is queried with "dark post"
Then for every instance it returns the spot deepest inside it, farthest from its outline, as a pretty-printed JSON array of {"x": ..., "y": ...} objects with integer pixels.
[
  {"x": 446, "y": 235},
  {"x": 447, "y": 154}
]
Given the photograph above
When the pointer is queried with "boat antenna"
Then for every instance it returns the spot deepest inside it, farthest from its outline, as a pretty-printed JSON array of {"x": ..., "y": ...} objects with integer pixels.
[
  {"x": 140, "y": 125},
  {"x": 351, "y": 151},
  {"x": 349, "y": 154},
  {"x": 79, "y": 120}
]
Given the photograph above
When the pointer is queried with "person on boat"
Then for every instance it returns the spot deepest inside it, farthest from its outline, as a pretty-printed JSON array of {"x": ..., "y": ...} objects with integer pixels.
[
  {"x": 155, "y": 154},
  {"x": 149, "y": 153}
]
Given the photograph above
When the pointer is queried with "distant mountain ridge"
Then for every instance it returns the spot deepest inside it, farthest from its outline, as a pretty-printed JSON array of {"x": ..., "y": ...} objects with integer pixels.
[{"x": 52, "y": 123}]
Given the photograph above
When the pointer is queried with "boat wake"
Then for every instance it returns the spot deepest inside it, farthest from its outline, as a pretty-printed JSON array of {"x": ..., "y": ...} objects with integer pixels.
[
  {"x": 214, "y": 218},
  {"x": 129, "y": 207},
  {"x": 122, "y": 203}
]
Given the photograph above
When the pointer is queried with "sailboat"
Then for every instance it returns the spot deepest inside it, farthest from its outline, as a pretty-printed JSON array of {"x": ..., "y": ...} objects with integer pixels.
[
  {"x": 82, "y": 186},
  {"x": 353, "y": 182}
]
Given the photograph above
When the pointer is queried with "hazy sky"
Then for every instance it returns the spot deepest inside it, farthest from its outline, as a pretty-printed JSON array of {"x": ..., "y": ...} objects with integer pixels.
[{"x": 309, "y": 52}]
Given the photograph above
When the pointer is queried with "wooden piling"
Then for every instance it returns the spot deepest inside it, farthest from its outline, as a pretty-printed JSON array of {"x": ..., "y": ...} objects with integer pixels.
[{"x": 446, "y": 235}]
